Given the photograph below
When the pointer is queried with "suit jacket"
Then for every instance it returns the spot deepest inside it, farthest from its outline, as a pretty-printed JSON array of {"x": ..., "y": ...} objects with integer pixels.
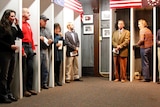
[
  {"x": 70, "y": 43},
  {"x": 123, "y": 41}
]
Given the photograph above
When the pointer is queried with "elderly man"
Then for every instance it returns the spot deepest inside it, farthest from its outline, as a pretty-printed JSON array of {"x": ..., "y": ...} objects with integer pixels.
[{"x": 120, "y": 41}]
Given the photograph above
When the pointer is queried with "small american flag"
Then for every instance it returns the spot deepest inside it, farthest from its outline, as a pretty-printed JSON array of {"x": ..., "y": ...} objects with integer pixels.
[
  {"x": 125, "y": 3},
  {"x": 75, "y": 5}
]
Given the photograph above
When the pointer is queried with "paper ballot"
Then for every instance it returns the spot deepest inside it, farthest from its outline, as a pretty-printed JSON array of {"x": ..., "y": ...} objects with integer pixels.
[
  {"x": 46, "y": 41},
  {"x": 74, "y": 53},
  {"x": 60, "y": 42},
  {"x": 17, "y": 43},
  {"x": 115, "y": 51}
]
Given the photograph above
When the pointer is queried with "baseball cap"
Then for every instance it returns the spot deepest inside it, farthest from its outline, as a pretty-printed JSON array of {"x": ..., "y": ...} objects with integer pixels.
[{"x": 44, "y": 17}]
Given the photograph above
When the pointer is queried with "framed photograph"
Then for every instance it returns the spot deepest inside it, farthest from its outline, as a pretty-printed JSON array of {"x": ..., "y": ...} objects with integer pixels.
[
  {"x": 87, "y": 19},
  {"x": 105, "y": 15},
  {"x": 105, "y": 24},
  {"x": 88, "y": 29},
  {"x": 105, "y": 32}
]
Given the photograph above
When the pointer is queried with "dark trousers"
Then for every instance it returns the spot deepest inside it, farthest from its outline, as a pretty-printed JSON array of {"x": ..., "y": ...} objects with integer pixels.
[
  {"x": 57, "y": 70},
  {"x": 146, "y": 60},
  {"x": 44, "y": 69},
  {"x": 27, "y": 67},
  {"x": 7, "y": 68}
]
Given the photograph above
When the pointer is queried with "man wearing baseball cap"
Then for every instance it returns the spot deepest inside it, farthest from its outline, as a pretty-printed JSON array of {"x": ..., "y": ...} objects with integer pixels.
[
  {"x": 45, "y": 44},
  {"x": 44, "y": 17}
]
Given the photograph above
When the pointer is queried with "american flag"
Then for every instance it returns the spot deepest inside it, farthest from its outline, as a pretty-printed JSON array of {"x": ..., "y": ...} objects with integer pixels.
[
  {"x": 71, "y": 4},
  {"x": 125, "y": 3}
]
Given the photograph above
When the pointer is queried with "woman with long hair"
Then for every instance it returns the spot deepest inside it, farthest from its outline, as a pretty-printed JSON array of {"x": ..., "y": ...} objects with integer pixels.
[
  {"x": 8, "y": 35},
  {"x": 58, "y": 52}
]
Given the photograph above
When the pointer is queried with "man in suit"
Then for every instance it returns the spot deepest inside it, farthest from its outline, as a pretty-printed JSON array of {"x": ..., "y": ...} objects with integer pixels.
[
  {"x": 120, "y": 41},
  {"x": 72, "y": 42}
]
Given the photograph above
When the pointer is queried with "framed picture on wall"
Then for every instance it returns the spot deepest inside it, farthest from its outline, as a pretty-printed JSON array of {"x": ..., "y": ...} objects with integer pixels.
[
  {"x": 88, "y": 29},
  {"x": 105, "y": 15},
  {"x": 105, "y": 32},
  {"x": 107, "y": 23},
  {"x": 87, "y": 19}
]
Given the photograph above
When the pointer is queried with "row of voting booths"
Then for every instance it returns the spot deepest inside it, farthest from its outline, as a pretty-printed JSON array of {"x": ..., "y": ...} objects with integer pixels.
[{"x": 56, "y": 14}]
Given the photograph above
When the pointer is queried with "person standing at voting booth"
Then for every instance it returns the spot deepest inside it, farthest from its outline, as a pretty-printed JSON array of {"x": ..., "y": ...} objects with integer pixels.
[
  {"x": 9, "y": 30},
  {"x": 120, "y": 41},
  {"x": 58, "y": 53},
  {"x": 158, "y": 52},
  {"x": 45, "y": 44},
  {"x": 28, "y": 51},
  {"x": 145, "y": 42},
  {"x": 72, "y": 43}
]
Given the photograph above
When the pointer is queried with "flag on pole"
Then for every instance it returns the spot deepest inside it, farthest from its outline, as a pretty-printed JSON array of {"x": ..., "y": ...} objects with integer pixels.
[
  {"x": 75, "y": 5},
  {"x": 125, "y": 3}
]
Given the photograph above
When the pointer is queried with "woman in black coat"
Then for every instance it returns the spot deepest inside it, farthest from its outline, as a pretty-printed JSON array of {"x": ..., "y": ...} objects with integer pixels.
[{"x": 8, "y": 35}]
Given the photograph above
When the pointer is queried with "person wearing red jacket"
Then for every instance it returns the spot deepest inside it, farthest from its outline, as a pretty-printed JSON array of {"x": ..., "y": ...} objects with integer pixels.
[{"x": 28, "y": 51}]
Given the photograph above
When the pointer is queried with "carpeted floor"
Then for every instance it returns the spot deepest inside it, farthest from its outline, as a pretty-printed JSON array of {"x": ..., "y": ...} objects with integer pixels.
[{"x": 95, "y": 92}]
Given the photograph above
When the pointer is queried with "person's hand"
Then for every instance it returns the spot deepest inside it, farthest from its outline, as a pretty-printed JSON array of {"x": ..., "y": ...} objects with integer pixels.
[
  {"x": 77, "y": 49},
  {"x": 34, "y": 51},
  {"x": 58, "y": 44},
  {"x": 24, "y": 55},
  {"x": 42, "y": 38},
  {"x": 50, "y": 41},
  {"x": 14, "y": 47},
  {"x": 118, "y": 47},
  {"x": 60, "y": 33},
  {"x": 16, "y": 21}
]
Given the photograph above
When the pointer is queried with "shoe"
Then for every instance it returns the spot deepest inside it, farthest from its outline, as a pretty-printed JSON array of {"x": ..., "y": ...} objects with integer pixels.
[
  {"x": 145, "y": 80},
  {"x": 27, "y": 94},
  {"x": 59, "y": 84},
  {"x": 116, "y": 80},
  {"x": 122, "y": 81},
  {"x": 78, "y": 80},
  {"x": 12, "y": 98},
  {"x": 45, "y": 87},
  {"x": 5, "y": 100},
  {"x": 55, "y": 84},
  {"x": 67, "y": 81},
  {"x": 33, "y": 92},
  {"x": 158, "y": 82}
]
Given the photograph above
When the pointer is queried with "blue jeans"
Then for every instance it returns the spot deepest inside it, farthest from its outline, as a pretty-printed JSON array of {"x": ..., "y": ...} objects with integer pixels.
[
  {"x": 44, "y": 69},
  {"x": 146, "y": 59}
]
